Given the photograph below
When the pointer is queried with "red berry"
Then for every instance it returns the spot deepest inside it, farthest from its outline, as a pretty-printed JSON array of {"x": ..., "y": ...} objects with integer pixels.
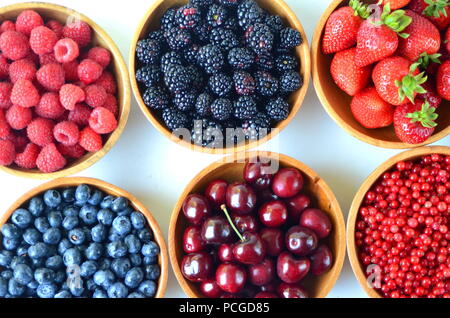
[
  {"x": 49, "y": 106},
  {"x": 40, "y": 131},
  {"x": 90, "y": 140},
  {"x": 5, "y": 129},
  {"x": 25, "y": 94},
  {"x": 111, "y": 104},
  {"x": 66, "y": 50},
  {"x": 51, "y": 77},
  {"x": 78, "y": 31},
  {"x": 71, "y": 71},
  {"x": 4, "y": 67},
  {"x": 67, "y": 133},
  {"x": 48, "y": 58},
  {"x": 22, "y": 69},
  {"x": 102, "y": 121},
  {"x": 70, "y": 95},
  {"x": 56, "y": 27},
  {"x": 73, "y": 152},
  {"x": 50, "y": 159},
  {"x": 95, "y": 95},
  {"x": 27, "y": 21},
  {"x": 42, "y": 40},
  {"x": 27, "y": 159},
  {"x": 14, "y": 45},
  {"x": 5, "y": 95},
  {"x": 89, "y": 71},
  {"x": 100, "y": 55},
  {"x": 18, "y": 117},
  {"x": 80, "y": 115},
  {"x": 7, "y": 25},
  {"x": 108, "y": 81},
  {"x": 7, "y": 152}
]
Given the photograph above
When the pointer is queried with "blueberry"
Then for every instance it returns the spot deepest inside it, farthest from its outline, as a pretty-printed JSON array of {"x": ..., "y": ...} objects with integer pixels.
[
  {"x": 94, "y": 251},
  {"x": 38, "y": 262},
  {"x": 71, "y": 210},
  {"x": 6, "y": 258},
  {"x": 107, "y": 202},
  {"x": 37, "y": 250},
  {"x": 136, "y": 295},
  {"x": 122, "y": 225},
  {"x": 121, "y": 267},
  {"x": 52, "y": 198},
  {"x": 16, "y": 260},
  {"x": 32, "y": 236},
  {"x": 22, "y": 218},
  {"x": 55, "y": 219},
  {"x": 23, "y": 274},
  {"x": 77, "y": 236},
  {"x": 91, "y": 285},
  {"x": 82, "y": 194},
  {"x": 46, "y": 290},
  {"x": 72, "y": 257},
  {"x": 15, "y": 288},
  {"x": 105, "y": 217},
  {"x": 96, "y": 198},
  {"x": 63, "y": 294},
  {"x": 7, "y": 274},
  {"x": 152, "y": 272},
  {"x": 44, "y": 276},
  {"x": 134, "y": 277},
  {"x": 54, "y": 262},
  {"x": 52, "y": 236},
  {"x": 36, "y": 206},
  {"x": 138, "y": 220},
  {"x": 77, "y": 289},
  {"x": 145, "y": 235},
  {"x": 150, "y": 249},
  {"x": 88, "y": 269},
  {"x": 136, "y": 259},
  {"x": 119, "y": 204},
  {"x": 133, "y": 244},
  {"x": 150, "y": 260},
  {"x": 41, "y": 224},
  {"x": 70, "y": 222},
  {"x": 104, "y": 278},
  {"x": 10, "y": 244},
  {"x": 11, "y": 231},
  {"x": 118, "y": 290},
  {"x": 100, "y": 293},
  {"x": 22, "y": 250},
  {"x": 88, "y": 214},
  {"x": 125, "y": 212},
  {"x": 3, "y": 287},
  {"x": 113, "y": 236},
  {"x": 68, "y": 195},
  {"x": 147, "y": 288},
  {"x": 63, "y": 246},
  {"x": 104, "y": 264},
  {"x": 99, "y": 233},
  {"x": 60, "y": 277},
  {"x": 117, "y": 249}
]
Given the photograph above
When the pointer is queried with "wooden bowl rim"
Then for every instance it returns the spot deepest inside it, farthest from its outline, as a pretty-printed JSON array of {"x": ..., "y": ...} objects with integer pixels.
[
  {"x": 283, "y": 159},
  {"x": 113, "y": 190},
  {"x": 125, "y": 102},
  {"x": 315, "y": 52},
  {"x": 305, "y": 65},
  {"x": 354, "y": 209}
]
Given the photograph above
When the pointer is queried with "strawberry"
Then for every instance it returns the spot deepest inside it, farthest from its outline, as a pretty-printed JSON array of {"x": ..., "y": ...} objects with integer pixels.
[
  {"x": 349, "y": 77},
  {"x": 437, "y": 11},
  {"x": 415, "y": 123},
  {"x": 396, "y": 80},
  {"x": 447, "y": 40},
  {"x": 378, "y": 38},
  {"x": 423, "y": 37},
  {"x": 443, "y": 80},
  {"x": 342, "y": 27},
  {"x": 370, "y": 110},
  {"x": 396, "y": 4},
  {"x": 429, "y": 63},
  {"x": 431, "y": 95}
]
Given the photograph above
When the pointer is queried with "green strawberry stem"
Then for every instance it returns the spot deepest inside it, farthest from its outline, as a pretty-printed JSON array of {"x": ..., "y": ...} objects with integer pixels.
[
  {"x": 411, "y": 84},
  {"x": 397, "y": 21},
  {"x": 224, "y": 209},
  {"x": 425, "y": 59},
  {"x": 426, "y": 116},
  {"x": 435, "y": 7},
  {"x": 360, "y": 8}
]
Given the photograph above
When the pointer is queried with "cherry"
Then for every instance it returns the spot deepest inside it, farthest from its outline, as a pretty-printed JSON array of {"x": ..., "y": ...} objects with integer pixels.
[
  {"x": 287, "y": 183},
  {"x": 321, "y": 260},
  {"x": 241, "y": 198},
  {"x": 197, "y": 267},
  {"x": 291, "y": 270},
  {"x": 210, "y": 289},
  {"x": 317, "y": 221},
  {"x": 274, "y": 241},
  {"x": 272, "y": 286},
  {"x": 225, "y": 253},
  {"x": 216, "y": 192},
  {"x": 217, "y": 230},
  {"x": 292, "y": 291},
  {"x": 258, "y": 175},
  {"x": 196, "y": 209},
  {"x": 192, "y": 240},
  {"x": 301, "y": 241},
  {"x": 273, "y": 214},
  {"x": 263, "y": 273},
  {"x": 267, "y": 195},
  {"x": 246, "y": 223},
  {"x": 266, "y": 295},
  {"x": 231, "y": 278},
  {"x": 251, "y": 250},
  {"x": 296, "y": 206}
]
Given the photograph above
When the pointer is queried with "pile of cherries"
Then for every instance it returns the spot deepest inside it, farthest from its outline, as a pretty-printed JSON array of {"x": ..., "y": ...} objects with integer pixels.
[{"x": 255, "y": 239}]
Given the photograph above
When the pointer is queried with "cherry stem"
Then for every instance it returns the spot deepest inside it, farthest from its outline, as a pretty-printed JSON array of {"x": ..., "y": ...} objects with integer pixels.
[{"x": 224, "y": 209}]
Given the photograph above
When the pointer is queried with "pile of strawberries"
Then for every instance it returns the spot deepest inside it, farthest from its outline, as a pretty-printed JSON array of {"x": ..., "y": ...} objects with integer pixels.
[
  {"x": 57, "y": 98},
  {"x": 393, "y": 61}
]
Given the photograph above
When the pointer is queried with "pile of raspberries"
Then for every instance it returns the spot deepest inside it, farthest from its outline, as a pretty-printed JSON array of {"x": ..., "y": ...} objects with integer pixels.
[{"x": 57, "y": 97}]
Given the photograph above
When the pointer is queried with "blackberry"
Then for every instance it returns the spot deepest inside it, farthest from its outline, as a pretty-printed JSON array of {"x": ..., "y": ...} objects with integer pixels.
[
  {"x": 222, "y": 109},
  {"x": 202, "y": 32},
  {"x": 259, "y": 38},
  {"x": 216, "y": 16},
  {"x": 156, "y": 98},
  {"x": 203, "y": 104},
  {"x": 188, "y": 16},
  {"x": 220, "y": 84},
  {"x": 210, "y": 57},
  {"x": 223, "y": 38},
  {"x": 176, "y": 79},
  {"x": 249, "y": 13},
  {"x": 278, "y": 109},
  {"x": 168, "y": 19},
  {"x": 265, "y": 62},
  {"x": 170, "y": 59},
  {"x": 266, "y": 84},
  {"x": 284, "y": 63},
  {"x": 230, "y": 3},
  {"x": 257, "y": 127},
  {"x": 245, "y": 108},
  {"x": 174, "y": 119},
  {"x": 291, "y": 81},
  {"x": 185, "y": 101},
  {"x": 177, "y": 39},
  {"x": 241, "y": 58},
  {"x": 149, "y": 75},
  {"x": 275, "y": 23},
  {"x": 290, "y": 38},
  {"x": 195, "y": 77},
  {"x": 190, "y": 53},
  {"x": 157, "y": 35},
  {"x": 231, "y": 24},
  {"x": 148, "y": 51},
  {"x": 244, "y": 83},
  {"x": 202, "y": 3},
  {"x": 207, "y": 133}
]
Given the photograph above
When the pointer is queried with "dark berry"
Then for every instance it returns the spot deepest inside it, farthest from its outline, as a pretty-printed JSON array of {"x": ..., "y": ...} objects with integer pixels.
[
  {"x": 223, "y": 38},
  {"x": 148, "y": 51},
  {"x": 202, "y": 32},
  {"x": 230, "y": 3},
  {"x": 258, "y": 127},
  {"x": 241, "y": 58},
  {"x": 275, "y": 23},
  {"x": 203, "y": 104},
  {"x": 174, "y": 119},
  {"x": 259, "y": 38},
  {"x": 211, "y": 59},
  {"x": 149, "y": 75},
  {"x": 244, "y": 83},
  {"x": 290, "y": 38},
  {"x": 207, "y": 133},
  {"x": 188, "y": 16},
  {"x": 168, "y": 19},
  {"x": 249, "y": 13},
  {"x": 176, "y": 79},
  {"x": 266, "y": 84},
  {"x": 284, "y": 63},
  {"x": 222, "y": 109},
  {"x": 157, "y": 35},
  {"x": 291, "y": 81},
  {"x": 202, "y": 3},
  {"x": 278, "y": 109},
  {"x": 216, "y": 16},
  {"x": 156, "y": 98},
  {"x": 170, "y": 59},
  {"x": 185, "y": 101},
  {"x": 220, "y": 84},
  {"x": 190, "y": 53},
  {"x": 245, "y": 108},
  {"x": 265, "y": 62},
  {"x": 178, "y": 39},
  {"x": 195, "y": 77}
]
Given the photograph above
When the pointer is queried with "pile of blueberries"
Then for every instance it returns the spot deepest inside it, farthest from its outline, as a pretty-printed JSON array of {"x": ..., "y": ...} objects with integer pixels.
[{"x": 78, "y": 242}]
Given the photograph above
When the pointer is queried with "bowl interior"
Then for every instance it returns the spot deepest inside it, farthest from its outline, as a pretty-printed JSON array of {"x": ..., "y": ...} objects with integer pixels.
[
  {"x": 152, "y": 22},
  {"x": 337, "y": 102},
  {"x": 117, "y": 67},
  {"x": 323, "y": 198},
  {"x": 110, "y": 190}
]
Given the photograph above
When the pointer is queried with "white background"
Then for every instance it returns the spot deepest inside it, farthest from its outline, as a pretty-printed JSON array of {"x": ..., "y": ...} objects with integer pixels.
[{"x": 157, "y": 170}]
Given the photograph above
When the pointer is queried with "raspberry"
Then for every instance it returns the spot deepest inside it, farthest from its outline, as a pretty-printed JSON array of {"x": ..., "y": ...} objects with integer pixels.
[
  {"x": 18, "y": 117},
  {"x": 14, "y": 45},
  {"x": 5, "y": 95},
  {"x": 71, "y": 71},
  {"x": 19, "y": 141},
  {"x": 27, "y": 159},
  {"x": 5, "y": 130},
  {"x": 50, "y": 159},
  {"x": 78, "y": 31},
  {"x": 70, "y": 95},
  {"x": 48, "y": 58},
  {"x": 73, "y": 152},
  {"x": 56, "y": 27},
  {"x": 80, "y": 115},
  {"x": 40, "y": 131},
  {"x": 100, "y": 55},
  {"x": 95, "y": 95},
  {"x": 49, "y": 106},
  {"x": 89, "y": 71},
  {"x": 42, "y": 40},
  {"x": 102, "y": 121},
  {"x": 90, "y": 140},
  {"x": 22, "y": 69},
  {"x": 4, "y": 67},
  {"x": 27, "y": 21},
  {"x": 67, "y": 133},
  {"x": 66, "y": 50},
  {"x": 25, "y": 94},
  {"x": 51, "y": 77},
  {"x": 111, "y": 104},
  {"x": 108, "y": 81},
  {"x": 7, "y": 25},
  {"x": 7, "y": 152}
]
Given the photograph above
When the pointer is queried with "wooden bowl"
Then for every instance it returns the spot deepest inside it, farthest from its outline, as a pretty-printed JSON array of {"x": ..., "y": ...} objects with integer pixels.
[
  {"x": 118, "y": 67},
  {"x": 337, "y": 103},
  {"x": 110, "y": 190},
  {"x": 231, "y": 169},
  {"x": 357, "y": 201},
  {"x": 151, "y": 22}
]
